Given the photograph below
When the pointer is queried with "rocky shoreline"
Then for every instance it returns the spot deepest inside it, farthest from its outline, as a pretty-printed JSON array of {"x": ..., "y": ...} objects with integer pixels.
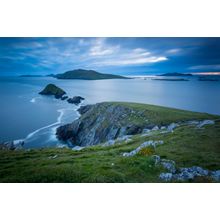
[
  {"x": 104, "y": 122},
  {"x": 58, "y": 93}
]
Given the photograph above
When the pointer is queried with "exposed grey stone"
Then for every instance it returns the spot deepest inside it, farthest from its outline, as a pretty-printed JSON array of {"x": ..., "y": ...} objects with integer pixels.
[
  {"x": 143, "y": 145},
  {"x": 172, "y": 126},
  {"x": 146, "y": 134},
  {"x": 169, "y": 165},
  {"x": 146, "y": 130},
  {"x": 109, "y": 143},
  {"x": 166, "y": 177},
  {"x": 12, "y": 145},
  {"x": 205, "y": 122},
  {"x": 53, "y": 157},
  {"x": 99, "y": 123},
  {"x": 190, "y": 173},
  {"x": 155, "y": 128},
  {"x": 75, "y": 100},
  {"x": 156, "y": 159},
  {"x": 216, "y": 175},
  {"x": 197, "y": 171},
  {"x": 77, "y": 148}
]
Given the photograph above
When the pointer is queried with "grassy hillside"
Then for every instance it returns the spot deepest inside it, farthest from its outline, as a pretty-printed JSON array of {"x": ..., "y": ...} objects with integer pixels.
[
  {"x": 187, "y": 146},
  {"x": 87, "y": 75}
]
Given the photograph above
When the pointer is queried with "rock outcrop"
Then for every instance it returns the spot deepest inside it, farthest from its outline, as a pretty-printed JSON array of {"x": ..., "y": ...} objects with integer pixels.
[
  {"x": 100, "y": 123},
  {"x": 75, "y": 100},
  {"x": 107, "y": 121},
  {"x": 52, "y": 89},
  {"x": 12, "y": 145},
  {"x": 143, "y": 145},
  {"x": 183, "y": 174}
]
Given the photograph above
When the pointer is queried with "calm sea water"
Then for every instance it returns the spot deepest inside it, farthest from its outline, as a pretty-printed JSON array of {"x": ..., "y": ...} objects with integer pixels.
[{"x": 26, "y": 115}]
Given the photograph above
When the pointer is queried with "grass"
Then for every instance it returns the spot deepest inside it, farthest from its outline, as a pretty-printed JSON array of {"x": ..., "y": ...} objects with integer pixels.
[
  {"x": 186, "y": 145},
  {"x": 154, "y": 115}
]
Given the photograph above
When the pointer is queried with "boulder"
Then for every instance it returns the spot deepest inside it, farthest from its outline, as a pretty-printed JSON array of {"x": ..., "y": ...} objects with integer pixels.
[
  {"x": 170, "y": 165},
  {"x": 216, "y": 175},
  {"x": 155, "y": 128},
  {"x": 205, "y": 122},
  {"x": 167, "y": 177},
  {"x": 75, "y": 100},
  {"x": 64, "y": 97},
  {"x": 172, "y": 126}
]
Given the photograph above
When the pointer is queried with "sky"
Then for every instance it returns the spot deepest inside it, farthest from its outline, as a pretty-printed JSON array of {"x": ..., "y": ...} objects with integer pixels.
[{"x": 125, "y": 56}]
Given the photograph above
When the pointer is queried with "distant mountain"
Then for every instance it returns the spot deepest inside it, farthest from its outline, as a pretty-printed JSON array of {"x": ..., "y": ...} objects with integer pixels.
[
  {"x": 87, "y": 75},
  {"x": 176, "y": 74},
  {"x": 51, "y": 75}
]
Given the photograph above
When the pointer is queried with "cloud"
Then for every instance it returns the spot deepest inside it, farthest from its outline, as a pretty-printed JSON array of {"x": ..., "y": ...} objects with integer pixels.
[
  {"x": 205, "y": 67},
  {"x": 130, "y": 61},
  {"x": 61, "y": 54},
  {"x": 100, "y": 48},
  {"x": 103, "y": 54},
  {"x": 173, "y": 51}
]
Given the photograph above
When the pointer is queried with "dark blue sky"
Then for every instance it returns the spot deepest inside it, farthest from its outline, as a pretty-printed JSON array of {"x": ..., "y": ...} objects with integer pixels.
[{"x": 109, "y": 55}]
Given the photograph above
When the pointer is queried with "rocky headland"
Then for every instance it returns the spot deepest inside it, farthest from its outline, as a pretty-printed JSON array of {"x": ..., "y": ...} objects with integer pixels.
[
  {"x": 122, "y": 142},
  {"x": 108, "y": 121}
]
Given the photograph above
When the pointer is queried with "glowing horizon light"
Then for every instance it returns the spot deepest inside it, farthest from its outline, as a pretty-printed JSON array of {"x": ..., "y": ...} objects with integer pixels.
[{"x": 208, "y": 73}]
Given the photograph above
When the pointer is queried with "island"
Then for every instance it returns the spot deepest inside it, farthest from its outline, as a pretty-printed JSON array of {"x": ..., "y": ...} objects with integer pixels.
[
  {"x": 176, "y": 74},
  {"x": 87, "y": 75},
  {"x": 170, "y": 79},
  {"x": 54, "y": 90}
]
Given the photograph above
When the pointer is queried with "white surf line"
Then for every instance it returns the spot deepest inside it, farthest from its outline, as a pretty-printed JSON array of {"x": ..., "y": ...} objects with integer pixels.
[
  {"x": 33, "y": 100},
  {"x": 58, "y": 122},
  {"x": 61, "y": 111},
  {"x": 53, "y": 135}
]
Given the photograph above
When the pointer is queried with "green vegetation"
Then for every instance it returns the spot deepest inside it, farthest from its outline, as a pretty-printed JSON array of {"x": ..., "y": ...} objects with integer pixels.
[
  {"x": 52, "y": 89},
  {"x": 87, "y": 75},
  {"x": 187, "y": 145},
  {"x": 153, "y": 114}
]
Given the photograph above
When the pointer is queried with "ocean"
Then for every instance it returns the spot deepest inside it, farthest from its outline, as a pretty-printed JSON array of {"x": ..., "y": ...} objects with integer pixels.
[{"x": 26, "y": 115}]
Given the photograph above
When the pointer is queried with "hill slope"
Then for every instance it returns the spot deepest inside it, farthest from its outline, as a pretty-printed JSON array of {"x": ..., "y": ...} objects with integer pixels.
[
  {"x": 87, "y": 75},
  {"x": 109, "y": 120},
  {"x": 188, "y": 144}
]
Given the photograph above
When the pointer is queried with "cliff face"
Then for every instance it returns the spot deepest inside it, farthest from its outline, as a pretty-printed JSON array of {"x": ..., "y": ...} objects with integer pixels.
[
  {"x": 106, "y": 121},
  {"x": 99, "y": 123}
]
